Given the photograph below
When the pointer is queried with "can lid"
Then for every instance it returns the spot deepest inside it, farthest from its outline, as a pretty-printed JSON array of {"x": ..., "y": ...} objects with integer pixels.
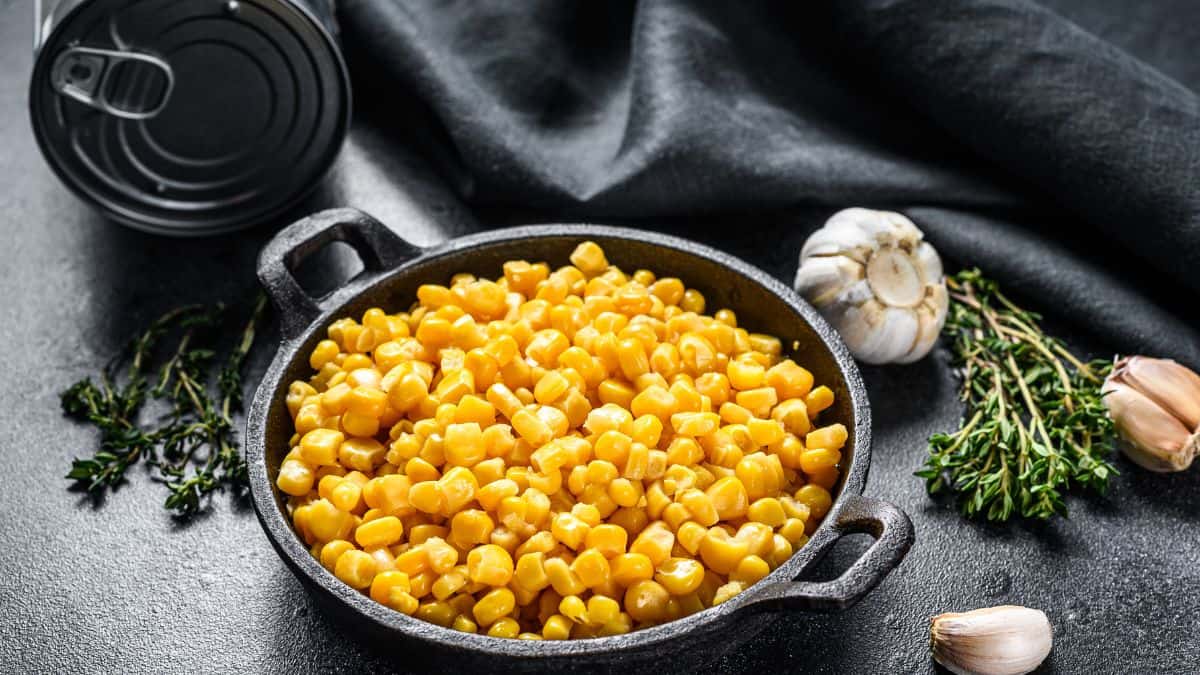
[{"x": 190, "y": 117}]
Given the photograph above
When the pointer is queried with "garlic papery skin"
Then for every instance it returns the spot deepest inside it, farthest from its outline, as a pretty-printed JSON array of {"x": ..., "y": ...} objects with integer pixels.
[
  {"x": 873, "y": 276},
  {"x": 1155, "y": 406},
  {"x": 1005, "y": 640}
]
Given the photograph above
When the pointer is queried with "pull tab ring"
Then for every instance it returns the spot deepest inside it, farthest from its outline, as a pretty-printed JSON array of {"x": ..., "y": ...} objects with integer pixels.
[{"x": 86, "y": 73}]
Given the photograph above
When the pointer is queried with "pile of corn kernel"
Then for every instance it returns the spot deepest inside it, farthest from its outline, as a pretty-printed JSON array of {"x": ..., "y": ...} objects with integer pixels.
[{"x": 556, "y": 454}]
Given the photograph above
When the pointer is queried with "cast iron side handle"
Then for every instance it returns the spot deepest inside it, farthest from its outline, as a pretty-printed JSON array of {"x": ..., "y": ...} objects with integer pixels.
[
  {"x": 379, "y": 248},
  {"x": 893, "y": 533}
]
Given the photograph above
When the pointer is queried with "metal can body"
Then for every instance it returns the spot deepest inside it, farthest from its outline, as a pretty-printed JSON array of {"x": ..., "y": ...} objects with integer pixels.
[{"x": 189, "y": 117}]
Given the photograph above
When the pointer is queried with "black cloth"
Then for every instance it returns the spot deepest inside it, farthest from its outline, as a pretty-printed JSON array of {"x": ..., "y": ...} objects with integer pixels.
[{"x": 1018, "y": 141}]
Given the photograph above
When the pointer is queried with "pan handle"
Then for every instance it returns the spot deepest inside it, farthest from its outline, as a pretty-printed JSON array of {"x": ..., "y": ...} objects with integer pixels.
[
  {"x": 893, "y": 533},
  {"x": 379, "y": 247}
]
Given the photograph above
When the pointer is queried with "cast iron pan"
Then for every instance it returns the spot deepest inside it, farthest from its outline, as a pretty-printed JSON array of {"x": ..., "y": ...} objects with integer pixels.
[{"x": 395, "y": 268}]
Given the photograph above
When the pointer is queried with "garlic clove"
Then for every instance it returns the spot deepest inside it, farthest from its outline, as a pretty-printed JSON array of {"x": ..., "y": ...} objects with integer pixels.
[
  {"x": 872, "y": 276},
  {"x": 930, "y": 263},
  {"x": 1173, "y": 387},
  {"x": 1004, "y": 640},
  {"x": 929, "y": 327},
  {"x": 890, "y": 335},
  {"x": 1153, "y": 438},
  {"x": 823, "y": 278}
]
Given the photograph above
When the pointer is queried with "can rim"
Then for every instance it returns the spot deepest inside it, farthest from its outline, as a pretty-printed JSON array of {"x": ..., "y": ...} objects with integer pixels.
[{"x": 165, "y": 226}]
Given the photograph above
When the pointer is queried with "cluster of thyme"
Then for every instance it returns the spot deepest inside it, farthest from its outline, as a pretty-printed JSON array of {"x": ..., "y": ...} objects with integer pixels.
[
  {"x": 1035, "y": 424},
  {"x": 194, "y": 445}
]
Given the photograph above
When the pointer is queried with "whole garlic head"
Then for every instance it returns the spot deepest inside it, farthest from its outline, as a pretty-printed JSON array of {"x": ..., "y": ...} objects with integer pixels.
[{"x": 872, "y": 275}]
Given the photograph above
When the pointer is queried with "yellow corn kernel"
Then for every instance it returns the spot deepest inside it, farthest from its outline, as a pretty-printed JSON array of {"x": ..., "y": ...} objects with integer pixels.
[
  {"x": 495, "y": 604},
  {"x": 812, "y": 461},
  {"x": 295, "y": 478},
  {"x": 490, "y": 495},
  {"x": 426, "y": 496},
  {"x": 440, "y": 613},
  {"x": 701, "y": 506},
  {"x": 793, "y": 414},
  {"x": 355, "y": 568},
  {"x": 326, "y": 522},
  {"x": 729, "y": 497},
  {"x": 562, "y": 578},
  {"x": 794, "y": 531},
  {"x": 656, "y": 463},
  {"x": 720, "y": 552},
  {"x": 656, "y": 401},
  {"x": 530, "y": 571},
  {"x": 386, "y": 583},
  {"x": 816, "y": 498},
  {"x": 464, "y": 444},
  {"x": 695, "y": 423},
  {"x": 826, "y": 478},
  {"x": 818, "y": 399},
  {"x": 573, "y": 608},
  {"x": 789, "y": 380},
  {"x": 831, "y": 437},
  {"x": 383, "y": 531},
  {"x": 765, "y": 432},
  {"x": 750, "y": 569},
  {"x": 490, "y": 564},
  {"x": 727, "y": 591},
  {"x": 462, "y": 623},
  {"x": 448, "y": 584},
  {"x": 781, "y": 550},
  {"x": 654, "y": 542},
  {"x": 551, "y": 387},
  {"x": 592, "y": 568},
  {"x": 569, "y": 530},
  {"x": 556, "y": 627},
  {"x": 471, "y": 527},
  {"x": 504, "y": 627},
  {"x": 607, "y": 539},
  {"x": 629, "y": 568},
  {"x": 319, "y": 447},
  {"x": 768, "y": 511},
  {"x": 689, "y": 536},
  {"x": 745, "y": 374},
  {"x": 758, "y": 401},
  {"x": 600, "y": 610},
  {"x": 332, "y": 550},
  {"x": 680, "y": 576},
  {"x": 646, "y": 601},
  {"x": 361, "y": 454}
]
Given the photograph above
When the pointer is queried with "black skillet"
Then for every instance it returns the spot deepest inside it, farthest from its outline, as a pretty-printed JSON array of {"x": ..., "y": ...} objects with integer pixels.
[{"x": 395, "y": 268}]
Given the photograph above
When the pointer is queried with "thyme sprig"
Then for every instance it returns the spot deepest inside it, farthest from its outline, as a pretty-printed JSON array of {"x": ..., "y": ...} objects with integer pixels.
[
  {"x": 194, "y": 445},
  {"x": 1035, "y": 424}
]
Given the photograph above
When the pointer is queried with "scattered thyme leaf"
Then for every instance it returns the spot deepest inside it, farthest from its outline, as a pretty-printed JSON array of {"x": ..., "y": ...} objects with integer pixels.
[
  {"x": 1035, "y": 425},
  {"x": 194, "y": 446}
]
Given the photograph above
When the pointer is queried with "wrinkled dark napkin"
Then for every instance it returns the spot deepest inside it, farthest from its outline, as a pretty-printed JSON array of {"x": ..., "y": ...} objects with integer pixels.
[{"x": 1019, "y": 142}]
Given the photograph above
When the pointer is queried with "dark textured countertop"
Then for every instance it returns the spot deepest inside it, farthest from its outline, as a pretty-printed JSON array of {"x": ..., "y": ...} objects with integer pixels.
[{"x": 122, "y": 587}]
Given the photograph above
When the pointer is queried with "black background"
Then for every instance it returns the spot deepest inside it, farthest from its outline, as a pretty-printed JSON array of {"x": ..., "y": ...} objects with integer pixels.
[{"x": 122, "y": 587}]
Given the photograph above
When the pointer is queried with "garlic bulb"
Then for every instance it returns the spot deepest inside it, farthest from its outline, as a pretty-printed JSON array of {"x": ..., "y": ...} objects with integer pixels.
[
  {"x": 1005, "y": 640},
  {"x": 1155, "y": 405},
  {"x": 872, "y": 276}
]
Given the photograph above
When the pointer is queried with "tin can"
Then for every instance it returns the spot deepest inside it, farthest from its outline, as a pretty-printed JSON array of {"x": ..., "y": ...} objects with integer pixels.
[{"x": 189, "y": 117}]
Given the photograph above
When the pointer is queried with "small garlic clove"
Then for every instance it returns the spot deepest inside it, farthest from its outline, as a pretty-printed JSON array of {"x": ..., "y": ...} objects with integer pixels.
[
  {"x": 1153, "y": 438},
  {"x": 929, "y": 327},
  {"x": 890, "y": 332},
  {"x": 1173, "y": 387},
  {"x": 823, "y": 278},
  {"x": 870, "y": 275},
  {"x": 1004, "y": 640}
]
